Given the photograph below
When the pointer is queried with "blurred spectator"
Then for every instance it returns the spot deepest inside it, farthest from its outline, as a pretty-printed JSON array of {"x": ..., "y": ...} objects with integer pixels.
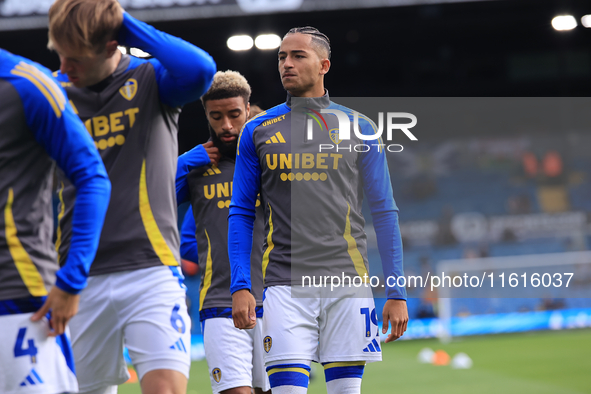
[
  {"x": 550, "y": 304},
  {"x": 548, "y": 170},
  {"x": 552, "y": 164},
  {"x": 508, "y": 236},
  {"x": 445, "y": 235},
  {"x": 476, "y": 252},
  {"x": 520, "y": 204},
  {"x": 470, "y": 253},
  {"x": 483, "y": 250},
  {"x": 428, "y": 306},
  {"x": 422, "y": 188},
  {"x": 530, "y": 165}
]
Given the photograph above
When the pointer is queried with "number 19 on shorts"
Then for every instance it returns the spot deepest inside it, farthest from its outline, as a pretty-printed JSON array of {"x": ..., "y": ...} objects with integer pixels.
[{"x": 370, "y": 318}]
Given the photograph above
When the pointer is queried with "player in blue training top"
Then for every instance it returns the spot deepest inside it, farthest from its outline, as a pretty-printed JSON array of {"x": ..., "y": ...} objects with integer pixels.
[
  {"x": 314, "y": 228},
  {"x": 188, "y": 240},
  {"x": 38, "y": 129},
  {"x": 130, "y": 107},
  {"x": 234, "y": 357}
]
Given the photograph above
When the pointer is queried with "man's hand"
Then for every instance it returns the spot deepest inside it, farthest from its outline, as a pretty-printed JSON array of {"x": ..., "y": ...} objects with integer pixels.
[
  {"x": 395, "y": 312},
  {"x": 63, "y": 307},
  {"x": 212, "y": 152},
  {"x": 243, "y": 309}
]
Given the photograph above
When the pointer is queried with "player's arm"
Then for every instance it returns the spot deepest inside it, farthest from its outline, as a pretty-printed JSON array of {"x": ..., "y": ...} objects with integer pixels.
[
  {"x": 201, "y": 155},
  {"x": 61, "y": 133},
  {"x": 247, "y": 178},
  {"x": 378, "y": 189},
  {"x": 184, "y": 72},
  {"x": 188, "y": 240}
]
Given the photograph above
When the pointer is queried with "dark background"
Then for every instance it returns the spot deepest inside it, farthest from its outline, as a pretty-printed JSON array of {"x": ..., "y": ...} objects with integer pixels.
[{"x": 490, "y": 48}]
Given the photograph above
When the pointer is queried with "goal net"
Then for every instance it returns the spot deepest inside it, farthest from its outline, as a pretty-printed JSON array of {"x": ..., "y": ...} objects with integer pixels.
[{"x": 509, "y": 289}]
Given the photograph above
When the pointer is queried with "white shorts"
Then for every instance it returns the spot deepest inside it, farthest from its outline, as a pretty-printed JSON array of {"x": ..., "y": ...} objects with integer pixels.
[
  {"x": 144, "y": 309},
  {"x": 319, "y": 329},
  {"x": 30, "y": 361},
  {"x": 234, "y": 356}
]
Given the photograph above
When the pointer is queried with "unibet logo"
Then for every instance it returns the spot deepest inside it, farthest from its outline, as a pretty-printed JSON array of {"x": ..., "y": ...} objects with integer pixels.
[
  {"x": 223, "y": 191},
  {"x": 321, "y": 161},
  {"x": 276, "y": 139},
  {"x": 220, "y": 189},
  {"x": 273, "y": 121},
  {"x": 100, "y": 126}
]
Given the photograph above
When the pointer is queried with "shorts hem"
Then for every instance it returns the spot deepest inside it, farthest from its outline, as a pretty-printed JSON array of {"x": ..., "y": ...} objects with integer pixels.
[
  {"x": 39, "y": 390},
  {"x": 143, "y": 368},
  {"x": 290, "y": 357},
  {"x": 367, "y": 358},
  {"x": 102, "y": 383}
]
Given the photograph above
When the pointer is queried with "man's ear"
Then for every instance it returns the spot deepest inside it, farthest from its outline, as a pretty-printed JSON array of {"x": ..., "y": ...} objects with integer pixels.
[
  {"x": 247, "y": 110},
  {"x": 324, "y": 66},
  {"x": 111, "y": 47}
]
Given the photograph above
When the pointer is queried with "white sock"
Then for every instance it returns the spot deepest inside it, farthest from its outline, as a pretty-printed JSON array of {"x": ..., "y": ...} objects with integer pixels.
[
  {"x": 289, "y": 390},
  {"x": 343, "y": 386}
]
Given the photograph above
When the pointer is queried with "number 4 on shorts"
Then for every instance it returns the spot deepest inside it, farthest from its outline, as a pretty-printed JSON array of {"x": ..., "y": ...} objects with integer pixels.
[{"x": 19, "y": 350}]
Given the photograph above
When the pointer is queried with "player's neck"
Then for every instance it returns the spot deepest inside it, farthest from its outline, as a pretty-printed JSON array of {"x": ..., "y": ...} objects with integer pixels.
[
  {"x": 316, "y": 91},
  {"x": 113, "y": 63},
  {"x": 109, "y": 68}
]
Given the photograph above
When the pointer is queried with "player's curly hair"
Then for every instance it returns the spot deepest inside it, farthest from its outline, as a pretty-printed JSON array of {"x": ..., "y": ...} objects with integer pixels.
[
  {"x": 319, "y": 40},
  {"x": 84, "y": 25},
  {"x": 227, "y": 84}
]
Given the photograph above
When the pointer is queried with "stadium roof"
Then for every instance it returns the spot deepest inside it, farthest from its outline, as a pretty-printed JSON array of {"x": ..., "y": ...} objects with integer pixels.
[{"x": 32, "y": 14}]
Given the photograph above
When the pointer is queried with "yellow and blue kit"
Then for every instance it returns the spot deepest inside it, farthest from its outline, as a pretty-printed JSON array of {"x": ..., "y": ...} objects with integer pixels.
[
  {"x": 39, "y": 128},
  {"x": 312, "y": 199},
  {"x": 209, "y": 189},
  {"x": 132, "y": 117}
]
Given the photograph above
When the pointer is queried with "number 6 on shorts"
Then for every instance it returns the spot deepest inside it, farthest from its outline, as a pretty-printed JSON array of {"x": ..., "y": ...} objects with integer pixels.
[{"x": 175, "y": 317}]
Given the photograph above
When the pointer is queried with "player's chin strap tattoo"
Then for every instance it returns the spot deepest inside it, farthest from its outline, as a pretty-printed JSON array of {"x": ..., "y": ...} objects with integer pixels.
[{"x": 226, "y": 150}]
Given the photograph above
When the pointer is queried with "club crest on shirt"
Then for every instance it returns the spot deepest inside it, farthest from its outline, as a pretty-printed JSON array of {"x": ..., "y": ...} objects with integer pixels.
[
  {"x": 334, "y": 136},
  {"x": 267, "y": 343},
  {"x": 129, "y": 89},
  {"x": 217, "y": 374}
]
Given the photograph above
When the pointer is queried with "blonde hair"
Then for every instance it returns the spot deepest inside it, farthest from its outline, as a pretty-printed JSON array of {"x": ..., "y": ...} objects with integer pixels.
[
  {"x": 227, "y": 84},
  {"x": 84, "y": 25}
]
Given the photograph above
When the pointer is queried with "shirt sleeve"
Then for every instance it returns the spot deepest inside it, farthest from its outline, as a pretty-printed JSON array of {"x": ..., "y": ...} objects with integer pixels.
[
  {"x": 194, "y": 158},
  {"x": 188, "y": 239},
  {"x": 63, "y": 136},
  {"x": 184, "y": 72},
  {"x": 246, "y": 186},
  {"x": 378, "y": 189}
]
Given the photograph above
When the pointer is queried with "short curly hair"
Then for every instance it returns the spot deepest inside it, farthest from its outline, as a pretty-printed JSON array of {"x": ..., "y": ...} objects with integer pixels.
[{"x": 227, "y": 84}]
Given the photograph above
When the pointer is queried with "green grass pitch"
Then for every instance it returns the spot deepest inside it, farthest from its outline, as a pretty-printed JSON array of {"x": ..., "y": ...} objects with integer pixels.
[{"x": 536, "y": 362}]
